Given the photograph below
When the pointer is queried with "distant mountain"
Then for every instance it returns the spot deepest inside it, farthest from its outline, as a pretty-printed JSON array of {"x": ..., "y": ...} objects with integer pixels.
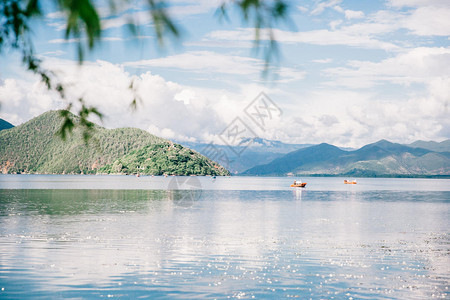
[
  {"x": 288, "y": 163},
  {"x": 239, "y": 159},
  {"x": 382, "y": 158},
  {"x": 5, "y": 125},
  {"x": 264, "y": 145},
  {"x": 443, "y": 146},
  {"x": 34, "y": 147}
]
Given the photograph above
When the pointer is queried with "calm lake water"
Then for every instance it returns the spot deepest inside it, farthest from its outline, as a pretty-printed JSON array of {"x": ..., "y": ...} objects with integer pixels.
[{"x": 236, "y": 237}]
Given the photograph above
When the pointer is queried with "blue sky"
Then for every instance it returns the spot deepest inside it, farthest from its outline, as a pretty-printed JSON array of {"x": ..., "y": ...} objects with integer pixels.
[{"x": 349, "y": 72}]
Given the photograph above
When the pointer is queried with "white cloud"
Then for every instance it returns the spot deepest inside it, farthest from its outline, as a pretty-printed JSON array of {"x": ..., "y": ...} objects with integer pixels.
[
  {"x": 344, "y": 114},
  {"x": 323, "y": 61},
  {"x": 165, "y": 108},
  {"x": 21, "y": 100},
  {"x": 77, "y": 40},
  {"x": 354, "y": 118},
  {"x": 130, "y": 13},
  {"x": 136, "y": 17},
  {"x": 419, "y": 3},
  {"x": 223, "y": 44},
  {"x": 64, "y": 41},
  {"x": 214, "y": 63},
  {"x": 346, "y": 36},
  {"x": 302, "y": 9},
  {"x": 334, "y": 24},
  {"x": 321, "y": 6},
  {"x": 193, "y": 7},
  {"x": 408, "y": 119},
  {"x": 342, "y": 36},
  {"x": 204, "y": 61},
  {"x": 56, "y": 15},
  {"x": 351, "y": 105},
  {"x": 418, "y": 65},
  {"x": 178, "y": 9},
  {"x": 353, "y": 14},
  {"x": 421, "y": 18},
  {"x": 334, "y": 115},
  {"x": 429, "y": 21},
  {"x": 53, "y": 53}
]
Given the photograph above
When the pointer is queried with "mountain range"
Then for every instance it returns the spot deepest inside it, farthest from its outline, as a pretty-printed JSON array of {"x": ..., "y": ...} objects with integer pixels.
[
  {"x": 382, "y": 158},
  {"x": 267, "y": 157},
  {"x": 35, "y": 147}
]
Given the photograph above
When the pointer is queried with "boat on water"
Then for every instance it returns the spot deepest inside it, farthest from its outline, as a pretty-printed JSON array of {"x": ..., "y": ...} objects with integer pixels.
[
  {"x": 298, "y": 183},
  {"x": 349, "y": 181}
]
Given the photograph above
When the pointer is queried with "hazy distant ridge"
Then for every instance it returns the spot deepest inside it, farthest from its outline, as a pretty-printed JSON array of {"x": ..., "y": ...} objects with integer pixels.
[
  {"x": 443, "y": 146},
  {"x": 259, "y": 151}
]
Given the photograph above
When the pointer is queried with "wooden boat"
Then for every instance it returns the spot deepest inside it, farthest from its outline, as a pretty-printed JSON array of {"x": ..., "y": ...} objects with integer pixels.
[
  {"x": 349, "y": 181},
  {"x": 298, "y": 183}
]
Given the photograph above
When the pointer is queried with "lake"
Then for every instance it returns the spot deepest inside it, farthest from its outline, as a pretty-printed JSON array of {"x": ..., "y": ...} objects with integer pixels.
[{"x": 229, "y": 237}]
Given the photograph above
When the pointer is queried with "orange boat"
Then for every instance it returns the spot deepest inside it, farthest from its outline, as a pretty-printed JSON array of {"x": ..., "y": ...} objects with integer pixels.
[
  {"x": 349, "y": 181},
  {"x": 298, "y": 183}
]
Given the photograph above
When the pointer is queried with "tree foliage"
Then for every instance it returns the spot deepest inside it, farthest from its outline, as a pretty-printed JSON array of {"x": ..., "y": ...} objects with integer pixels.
[
  {"x": 83, "y": 22},
  {"x": 164, "y": 159}
]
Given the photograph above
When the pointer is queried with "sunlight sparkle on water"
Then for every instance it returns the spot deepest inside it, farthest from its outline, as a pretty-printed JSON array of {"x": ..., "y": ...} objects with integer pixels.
[{"x": 365, "y": 243}]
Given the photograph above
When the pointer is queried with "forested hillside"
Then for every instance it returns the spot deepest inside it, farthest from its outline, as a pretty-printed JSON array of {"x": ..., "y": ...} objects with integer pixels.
[
  {"x": 164, "y": 159},
  {"x": 34, "y": 147}
]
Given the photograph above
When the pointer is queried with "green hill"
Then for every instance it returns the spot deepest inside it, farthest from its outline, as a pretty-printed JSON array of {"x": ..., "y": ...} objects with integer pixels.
[
  {"x": 34, "y": 147},
  {"x": 378, "y": 159},
  {"x": 5, "y": 125},
  {"x": 166, "y": 158}
]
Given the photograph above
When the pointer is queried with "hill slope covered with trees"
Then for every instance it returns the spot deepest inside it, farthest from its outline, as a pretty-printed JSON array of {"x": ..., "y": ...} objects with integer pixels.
[{"x": 35, "y": 147}]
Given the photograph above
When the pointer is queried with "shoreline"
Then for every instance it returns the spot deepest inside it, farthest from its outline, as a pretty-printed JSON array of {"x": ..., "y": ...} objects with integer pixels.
[{"x": 243, "y": 175}]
